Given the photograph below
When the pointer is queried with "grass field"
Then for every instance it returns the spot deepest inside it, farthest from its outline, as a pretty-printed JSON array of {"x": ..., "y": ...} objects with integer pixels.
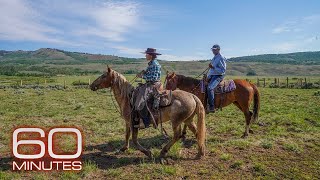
[{"x": 285, "y": 143}]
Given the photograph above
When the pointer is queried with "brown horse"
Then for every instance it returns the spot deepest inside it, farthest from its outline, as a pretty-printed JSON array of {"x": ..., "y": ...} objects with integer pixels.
[
  {"x": 241, "y": 96},
  {"x": 183, "y": 108}
]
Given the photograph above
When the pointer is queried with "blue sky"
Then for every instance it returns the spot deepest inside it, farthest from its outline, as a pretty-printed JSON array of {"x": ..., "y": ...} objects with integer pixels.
[{"x": 180, "y": 30}]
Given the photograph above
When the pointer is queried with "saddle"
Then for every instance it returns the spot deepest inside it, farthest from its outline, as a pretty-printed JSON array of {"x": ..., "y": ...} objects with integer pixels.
[
  {"x": 225, "y": 86},
  {"x": 147, "y": 100}
]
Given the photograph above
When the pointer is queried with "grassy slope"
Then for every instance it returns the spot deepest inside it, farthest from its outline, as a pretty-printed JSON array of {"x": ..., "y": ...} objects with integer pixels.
[
  {"x": 52, "y": 62},
  {"x": 286, "y": 147}
]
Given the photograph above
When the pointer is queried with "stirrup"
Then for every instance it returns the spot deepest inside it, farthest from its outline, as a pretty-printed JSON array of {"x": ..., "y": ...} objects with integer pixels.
[{"x": 140, "y": 125}]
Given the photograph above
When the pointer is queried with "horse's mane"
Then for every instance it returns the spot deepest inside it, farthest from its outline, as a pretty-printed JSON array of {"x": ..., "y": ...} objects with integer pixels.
[
  {"x": 125, "y": 87},
  {"x": 187, "y": 80}
]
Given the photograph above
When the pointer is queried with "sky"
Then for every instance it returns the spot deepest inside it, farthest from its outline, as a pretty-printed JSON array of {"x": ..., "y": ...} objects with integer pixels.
[{"x": 179, "y": 29}]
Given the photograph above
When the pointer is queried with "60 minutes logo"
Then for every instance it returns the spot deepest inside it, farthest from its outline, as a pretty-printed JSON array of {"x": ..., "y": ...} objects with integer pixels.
[{"x": 43, "y": 157}]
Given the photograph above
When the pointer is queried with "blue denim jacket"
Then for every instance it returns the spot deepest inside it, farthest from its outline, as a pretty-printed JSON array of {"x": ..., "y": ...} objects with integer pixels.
[{"x": 219, "y": 64}]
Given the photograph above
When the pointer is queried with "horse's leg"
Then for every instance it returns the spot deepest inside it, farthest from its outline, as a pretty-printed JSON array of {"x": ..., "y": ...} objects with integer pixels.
[
  {"x": 184, "y": 133},
  {"x": 184, "y": 130},
  {"x": 191, "y": 125},
  {"x": 176, "y": 137},
  {"x": 251, "y": 116},
  {"x": 136, "y": 143},
  {"x": 247, "y": 115},
  {"x": 127, "y": 136},
  {"x": 238, "y": 105}
]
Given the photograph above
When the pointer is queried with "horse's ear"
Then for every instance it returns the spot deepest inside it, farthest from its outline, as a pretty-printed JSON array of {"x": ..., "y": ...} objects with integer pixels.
[
  {"x": 173, "y": 74},
  {"x": 109, "y": 69}
]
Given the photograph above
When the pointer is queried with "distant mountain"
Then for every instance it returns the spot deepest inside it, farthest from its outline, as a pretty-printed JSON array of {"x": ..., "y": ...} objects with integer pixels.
[
  {"x": 299, "y": 58},
  {"x": 55, "y": 56},
  {"x": 50, "y": 62}
]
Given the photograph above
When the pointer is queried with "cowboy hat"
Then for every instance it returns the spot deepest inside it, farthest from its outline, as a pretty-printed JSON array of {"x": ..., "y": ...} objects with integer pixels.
[{"x": 151, "y": 51}]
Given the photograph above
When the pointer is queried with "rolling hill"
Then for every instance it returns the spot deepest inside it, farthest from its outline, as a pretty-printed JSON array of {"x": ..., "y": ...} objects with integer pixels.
[{"x": 48, "y": 61}]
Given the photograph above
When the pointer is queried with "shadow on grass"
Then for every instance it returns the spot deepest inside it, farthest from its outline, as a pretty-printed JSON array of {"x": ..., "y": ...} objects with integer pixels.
[
  {"x": 105, "y": 157},
  {"x": 114, "y": 145},
  {"x": 5, "y": 163}
]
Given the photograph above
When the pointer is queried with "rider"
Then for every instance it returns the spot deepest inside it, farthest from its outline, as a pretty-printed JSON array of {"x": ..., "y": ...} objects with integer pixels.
[
  {"x": 153, "y": 72},
  {"x": 152, "y": 77},
  {"x": 215, "y": 75}
]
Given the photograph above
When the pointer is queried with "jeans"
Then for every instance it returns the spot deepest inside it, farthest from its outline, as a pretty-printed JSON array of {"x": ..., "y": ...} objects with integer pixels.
[{"x": 215, "y": 80}]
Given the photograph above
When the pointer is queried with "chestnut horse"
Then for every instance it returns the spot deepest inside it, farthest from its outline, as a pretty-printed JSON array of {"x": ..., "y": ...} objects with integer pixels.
[
  {"x": 241, "y": 96},
  {"x": 183, "y": 108}
]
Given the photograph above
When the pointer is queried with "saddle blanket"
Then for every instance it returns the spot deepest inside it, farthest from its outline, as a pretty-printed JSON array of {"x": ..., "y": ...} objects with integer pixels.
[{"x": 224, "y": 86}]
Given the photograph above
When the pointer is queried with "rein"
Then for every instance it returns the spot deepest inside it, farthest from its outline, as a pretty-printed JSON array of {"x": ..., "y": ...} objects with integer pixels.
[
  {"x": 163, "y": 131},
  {"x": 203, "y": 72},
  {"x": 113, "y": 99}
]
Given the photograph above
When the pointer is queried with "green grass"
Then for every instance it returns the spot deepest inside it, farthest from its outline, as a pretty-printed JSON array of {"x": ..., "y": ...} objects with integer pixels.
[{"x": 285, "y": 146}]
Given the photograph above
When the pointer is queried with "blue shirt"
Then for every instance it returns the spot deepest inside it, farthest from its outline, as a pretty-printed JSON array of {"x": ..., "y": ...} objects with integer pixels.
[
  {"x": 219, "y": 65},
  {"x": 153, "y": 71}
]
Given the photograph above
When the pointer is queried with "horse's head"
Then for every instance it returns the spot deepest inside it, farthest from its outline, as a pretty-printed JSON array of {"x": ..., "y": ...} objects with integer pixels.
[
  {"x": 171, "y": 81},
  {"x": 104, "y": 81}
]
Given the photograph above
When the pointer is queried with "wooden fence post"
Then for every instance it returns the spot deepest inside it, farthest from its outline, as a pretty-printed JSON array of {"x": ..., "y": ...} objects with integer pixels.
[
  {"x": 89, "y": 81},
  {"x": 287, "y": 82},
  {"x": 258, "y": 84},
  {"x": 64, "y": 84},
  {"x": 20, "y": 82},
  {"x": 264, "y": 82},
  {"x": 305, "y": 81},
  {"x": 45, "y": 82}
]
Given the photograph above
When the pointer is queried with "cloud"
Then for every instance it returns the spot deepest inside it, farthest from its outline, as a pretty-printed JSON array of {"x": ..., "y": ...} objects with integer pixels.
[
  {"x": 285, "y": 47},
  {"x": 289, "y": 26},
  {"x": 312, "y": 19},
  {"x": 20, "y": 22},
  {"x": 297, "y": 25},
  {"x": 129, "y": 51},
  {"x": 170, "y": 57},
  {"x": 111, "y": 20},
  {"x": 68, "y": 21}
]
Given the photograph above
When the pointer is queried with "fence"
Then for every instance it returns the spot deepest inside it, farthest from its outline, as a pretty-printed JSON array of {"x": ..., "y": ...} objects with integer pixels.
[
  {"x": 287, "y": 83},
  {"x": 284, "y": 82}
]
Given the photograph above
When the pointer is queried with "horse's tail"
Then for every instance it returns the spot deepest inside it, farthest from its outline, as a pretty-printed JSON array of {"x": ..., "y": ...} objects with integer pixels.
[
  {"x": 201, "y": 126},
  {"x": 256, "y": 103}
]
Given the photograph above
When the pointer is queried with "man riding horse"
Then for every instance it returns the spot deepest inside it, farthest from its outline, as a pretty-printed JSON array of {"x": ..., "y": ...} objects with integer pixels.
[
  {"x": 215, "y": 75},
  {"x": 150, "y": 90}
]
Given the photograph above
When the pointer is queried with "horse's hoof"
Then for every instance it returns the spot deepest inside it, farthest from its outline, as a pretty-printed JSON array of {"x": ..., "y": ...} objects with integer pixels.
[
  {"x": 164, "y": 137},
  {"x": 120, "y": 151},
  {"x": 251, "y": 131},
  {"x": 183, "y": 138},
  {"x": 163, "y": 161},
  {"x": 149, "y": 154},
  {"x": 199, "y": 156},
  {"x": 244, "y": 136}
]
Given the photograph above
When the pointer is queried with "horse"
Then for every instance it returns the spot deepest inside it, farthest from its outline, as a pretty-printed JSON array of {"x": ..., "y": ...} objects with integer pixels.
[
  {"x": 241, "y": 97},
  {"x": 183, "y": 108}
]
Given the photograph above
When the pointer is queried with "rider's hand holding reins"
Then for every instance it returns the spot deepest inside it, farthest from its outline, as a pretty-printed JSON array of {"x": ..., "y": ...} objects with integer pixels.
[
  {"x": 210, "y": 65},
  {"x": 139, "y": 75}
]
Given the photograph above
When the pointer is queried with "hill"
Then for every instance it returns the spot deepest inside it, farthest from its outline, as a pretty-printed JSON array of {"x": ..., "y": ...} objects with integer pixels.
[
  {"x": 48, "y": 61},
  {"x": 301, "y": 58}
]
